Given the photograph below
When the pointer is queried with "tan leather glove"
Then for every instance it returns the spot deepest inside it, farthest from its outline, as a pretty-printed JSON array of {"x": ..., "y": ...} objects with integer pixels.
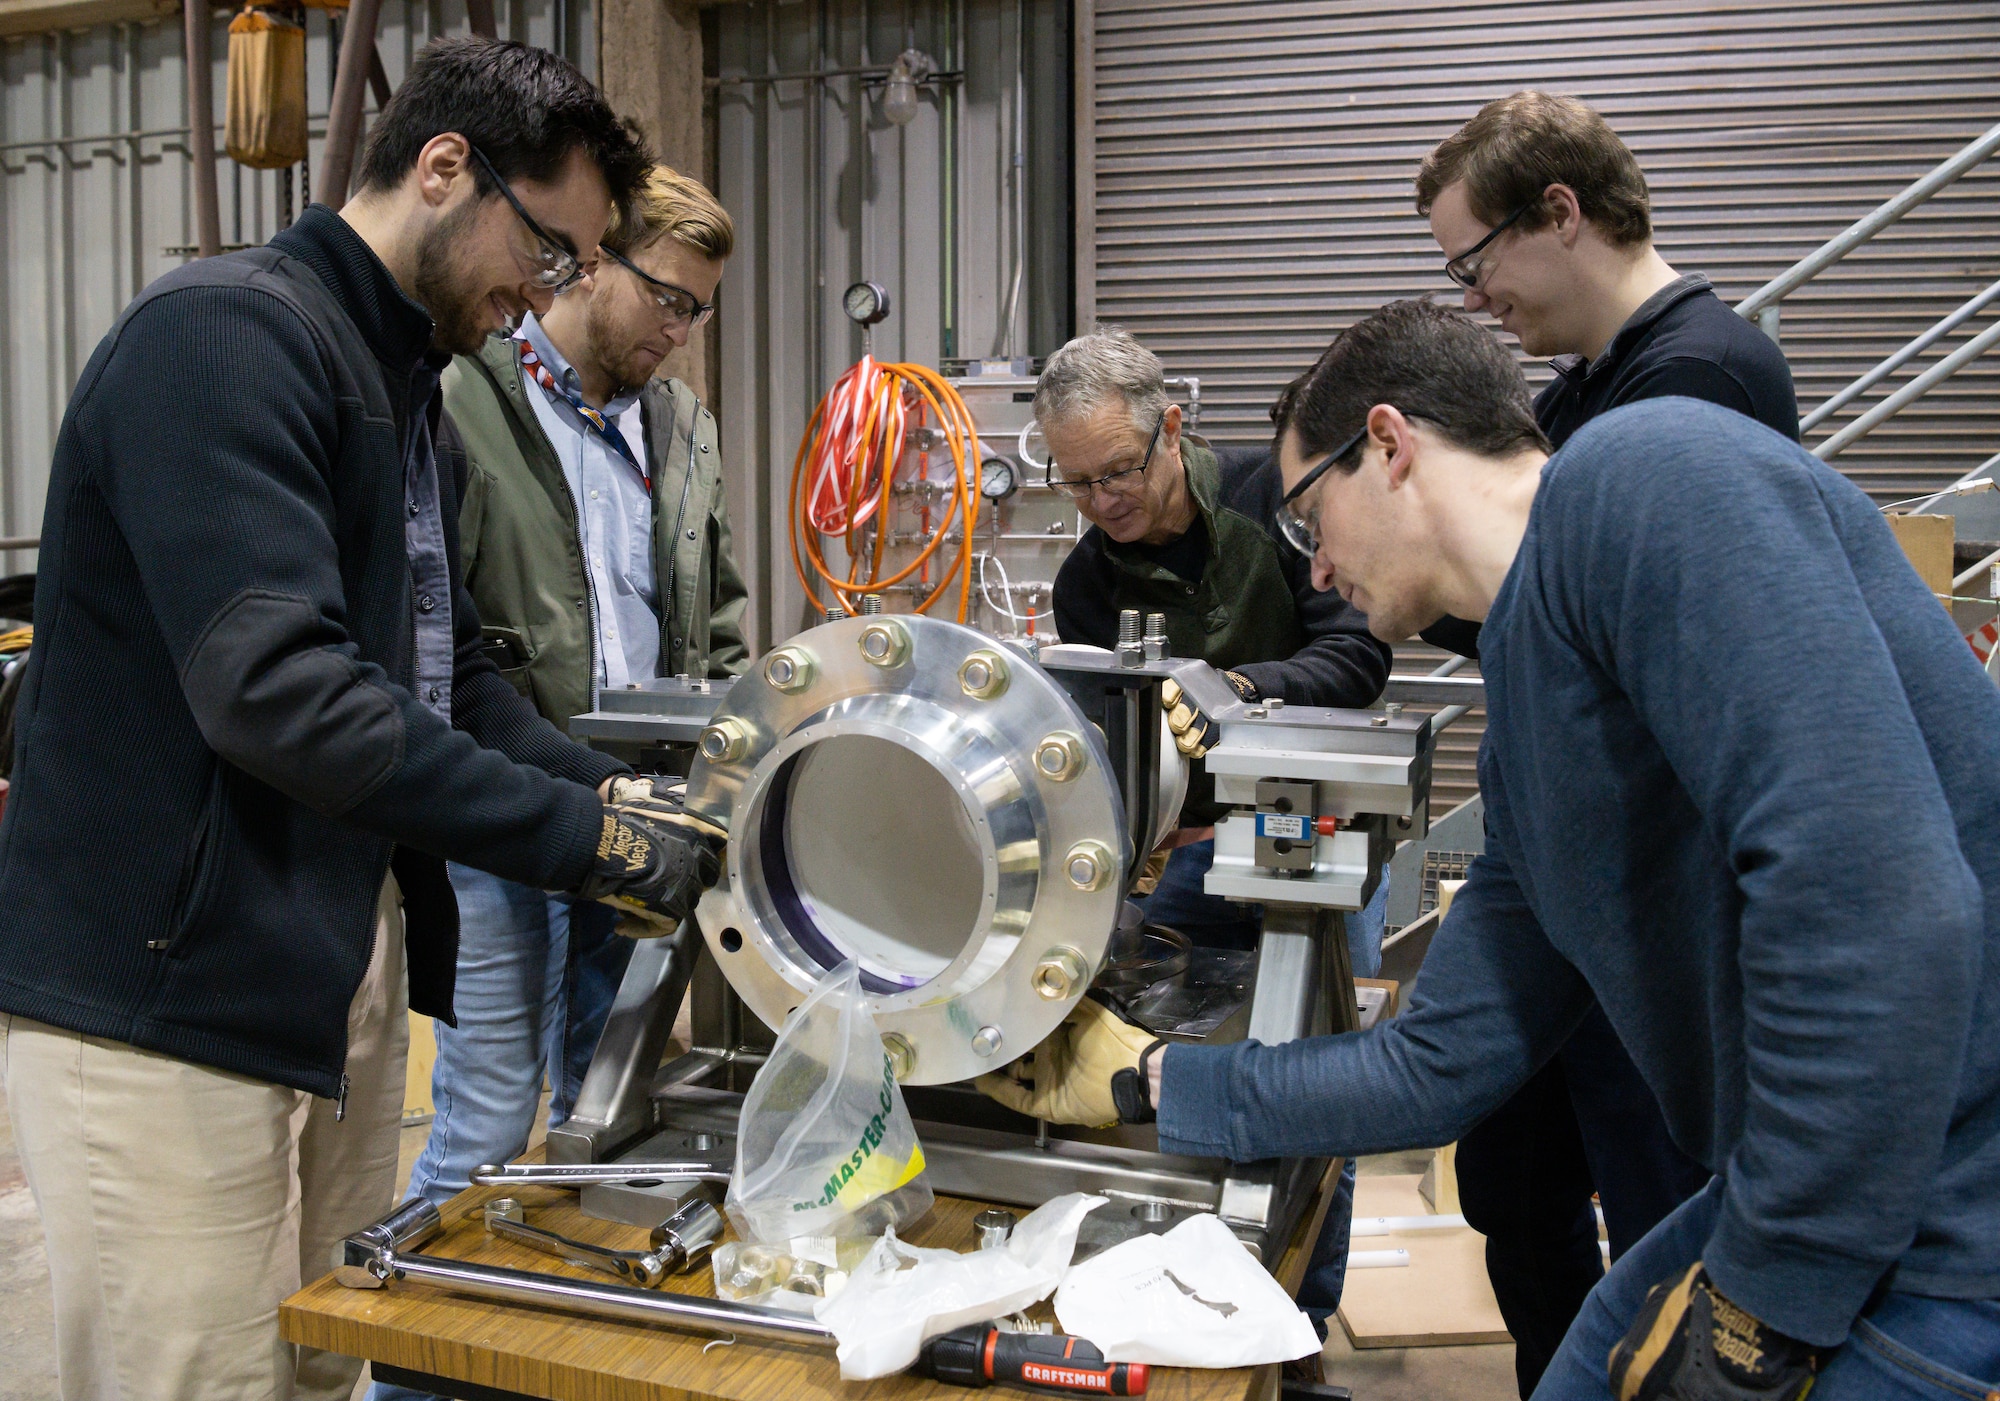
[
  {"x": 1149, "y": 875},
  {"x": 1072, "y": 1070},
  {"x": 1193, "y": 731},
  {"x": 661, "y": 800}
]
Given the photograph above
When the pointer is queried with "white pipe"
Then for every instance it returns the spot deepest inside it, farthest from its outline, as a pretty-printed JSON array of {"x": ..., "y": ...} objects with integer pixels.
[
  {"x": 1915, "y": 389},
  {"x": 1389, "y": 1225},
  {"x": 1865, "y": 228},
  {"x": 1900, "y": 358},
  {"x": 1377, "y": 1259}
]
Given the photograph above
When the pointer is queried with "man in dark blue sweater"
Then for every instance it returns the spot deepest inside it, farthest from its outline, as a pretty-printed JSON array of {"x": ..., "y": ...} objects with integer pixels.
[
  {"x": 1743, "y": 789},
  {"x": 1545, "y": 220}
]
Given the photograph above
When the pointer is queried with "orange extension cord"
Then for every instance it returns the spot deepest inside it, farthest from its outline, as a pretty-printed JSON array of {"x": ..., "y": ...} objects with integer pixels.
[{"x": 845, "y": 470}]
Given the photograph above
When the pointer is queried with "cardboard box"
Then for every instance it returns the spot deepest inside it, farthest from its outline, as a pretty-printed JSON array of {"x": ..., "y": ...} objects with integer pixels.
[{"x": 1927, "y": 540}]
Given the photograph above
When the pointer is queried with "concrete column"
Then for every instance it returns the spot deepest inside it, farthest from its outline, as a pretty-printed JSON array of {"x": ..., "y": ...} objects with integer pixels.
[{"x": 649, "y": 60}]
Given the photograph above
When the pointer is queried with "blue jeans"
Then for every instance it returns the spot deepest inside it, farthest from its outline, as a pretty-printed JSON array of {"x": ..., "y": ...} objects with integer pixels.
[
  {"x": 536, "y": 977},
  {"x": 1179, "y": 902},
  {"x": 1904, "y": 1348}
]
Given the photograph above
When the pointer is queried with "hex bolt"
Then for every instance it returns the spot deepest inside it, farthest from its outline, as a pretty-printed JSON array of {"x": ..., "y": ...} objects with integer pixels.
[
  {"x": 986, "y": 1040},
  {"x": 789, "y": 670},
  {"x": 835, "y": 615},
  {"x": 1131, "y": 649},
  {"x": 1155, "y": 641},
  {"x": 1059, "y": 973},
  {"x": 1088, "y": 865},
  {"x": 1392, "y": 708},
  {"x": 885, "y": 643},
  {"x": 1059, "y": 757},
  {"x": 724, "y": 742},
  {"x": 983, "y": 675},
  {"x": 902, "y": 1055},
  {"x": 871, "y": 604}
]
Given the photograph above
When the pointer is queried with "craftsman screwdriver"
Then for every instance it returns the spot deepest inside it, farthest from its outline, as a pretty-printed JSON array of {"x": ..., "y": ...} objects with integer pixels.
[{"x": 981, "y": 1354}]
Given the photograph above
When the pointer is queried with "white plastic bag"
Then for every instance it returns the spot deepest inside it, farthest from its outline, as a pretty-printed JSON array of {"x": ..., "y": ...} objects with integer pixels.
[
  {"x": 824, "y": 1146},
  {"x": 1190, "y": 1298},
  {"x": 902, "y": 1294}
]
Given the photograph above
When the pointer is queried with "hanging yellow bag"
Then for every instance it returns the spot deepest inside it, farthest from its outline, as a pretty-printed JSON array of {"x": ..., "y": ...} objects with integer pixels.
[{"x": 266, "y": 124}]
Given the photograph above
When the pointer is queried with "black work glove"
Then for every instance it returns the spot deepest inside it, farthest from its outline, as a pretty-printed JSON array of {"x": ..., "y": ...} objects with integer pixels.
[
  {"x": 650, "y": 869},
  {"x": 1689, "y": 1343},
  {"x": 1244, "y": 687}
]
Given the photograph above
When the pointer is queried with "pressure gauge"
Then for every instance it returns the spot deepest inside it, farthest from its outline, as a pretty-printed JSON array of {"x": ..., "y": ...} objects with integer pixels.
[
  {"x": 866, "y": 303},
  {"x": 997, "y": 479}
]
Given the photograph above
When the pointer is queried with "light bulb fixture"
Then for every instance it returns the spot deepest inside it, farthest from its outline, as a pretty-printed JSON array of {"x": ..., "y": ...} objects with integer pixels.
[{"x": 899, "y": 93}]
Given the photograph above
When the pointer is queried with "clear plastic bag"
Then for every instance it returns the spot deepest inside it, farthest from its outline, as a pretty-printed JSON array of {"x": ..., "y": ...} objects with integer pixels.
[{"x": 825, "y": 1148}]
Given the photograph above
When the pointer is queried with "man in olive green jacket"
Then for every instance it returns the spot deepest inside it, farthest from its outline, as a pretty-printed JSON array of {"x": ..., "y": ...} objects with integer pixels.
[{"x": 597, "y": 547}]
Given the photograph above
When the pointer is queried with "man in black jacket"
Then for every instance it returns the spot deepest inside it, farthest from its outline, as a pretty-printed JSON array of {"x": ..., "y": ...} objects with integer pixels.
[
  {"x": 256, "y": 721},
  {"x": 1544, "y": 216}
]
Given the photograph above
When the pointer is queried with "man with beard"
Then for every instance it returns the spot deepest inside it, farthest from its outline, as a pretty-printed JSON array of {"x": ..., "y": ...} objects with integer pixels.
[
  {"x": 589, "y": 479},
  {"x": 256, "y": 722}
]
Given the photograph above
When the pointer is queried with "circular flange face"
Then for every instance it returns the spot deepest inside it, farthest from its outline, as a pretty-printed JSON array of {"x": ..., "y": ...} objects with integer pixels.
[{"x": 893, "y": 816}]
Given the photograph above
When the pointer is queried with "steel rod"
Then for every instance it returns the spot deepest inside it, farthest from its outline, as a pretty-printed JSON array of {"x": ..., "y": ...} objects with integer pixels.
[
  {"x": 1959, "y": 581},
  {"x": 195, "y": 23},
  {"x": 343, "y": 121},
  {"x": 1450, "y": 715},
  {"x": 1901, "y": 358},
  {"x": 1451, "y": 666},
  {"x": 1915, "y": 389},
  {"x": 1865, "y": 228},
  {"x": 684, "y": 1311}
]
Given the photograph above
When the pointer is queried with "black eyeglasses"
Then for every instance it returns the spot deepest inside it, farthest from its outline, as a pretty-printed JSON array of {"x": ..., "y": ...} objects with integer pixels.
[
  {"x": 1463, "y": 270},
  {"x": 1079, "y": 488},
  {"x": 1301, "y": 533},
  {"x": 683, "y": 308},
  {"x": 556, "y": 269}
]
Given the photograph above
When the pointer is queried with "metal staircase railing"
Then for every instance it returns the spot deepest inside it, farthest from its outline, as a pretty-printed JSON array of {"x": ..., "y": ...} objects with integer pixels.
[{"x": 1763, "y": 306}]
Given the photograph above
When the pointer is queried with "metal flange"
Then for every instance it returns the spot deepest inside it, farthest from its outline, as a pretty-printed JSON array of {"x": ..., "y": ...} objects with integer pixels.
[{"x": 898, "y": 808}]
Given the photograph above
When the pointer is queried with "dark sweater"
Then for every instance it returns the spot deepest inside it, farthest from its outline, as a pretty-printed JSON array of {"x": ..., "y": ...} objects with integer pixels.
[
  {"x": 1682, "y": 340},
  {"x": 1742, "y": 782},
  {"x": 217, "y": 743},
  {"x": 1247, "y": 605}
]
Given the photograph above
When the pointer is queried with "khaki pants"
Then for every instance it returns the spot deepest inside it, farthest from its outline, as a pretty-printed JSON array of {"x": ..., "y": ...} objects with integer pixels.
[{"x": 181, "y": 1204}]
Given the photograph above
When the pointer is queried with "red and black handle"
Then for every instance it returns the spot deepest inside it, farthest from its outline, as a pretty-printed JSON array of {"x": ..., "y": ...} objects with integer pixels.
[{"x": 980, "y": 1355}]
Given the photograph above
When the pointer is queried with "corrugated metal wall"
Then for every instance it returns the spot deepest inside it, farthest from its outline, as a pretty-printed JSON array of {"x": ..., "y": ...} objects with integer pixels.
[
  {"x": 1245, "y": 168},
  {"x": 825, "y": 192},
  {"x": 94, "y": 180}
]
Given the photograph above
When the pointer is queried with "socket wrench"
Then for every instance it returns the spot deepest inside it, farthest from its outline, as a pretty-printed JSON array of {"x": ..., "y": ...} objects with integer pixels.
[{"x": 678, "y": 1243}]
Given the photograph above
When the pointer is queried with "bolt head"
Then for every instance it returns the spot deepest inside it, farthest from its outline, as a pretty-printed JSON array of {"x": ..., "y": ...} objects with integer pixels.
[
  {"x": 724, "y": 742},
  {"x": 987, "y": 1040},
  {"x": 902, "y": 1055},
  {"x": 789, "y": 670},
  {"x": 1060, "y": 972},
  {"x": 1088, "y": 865},
  {"x": 885, "y": 643},
  {"x": 983, "y": 675},
  {"x": 1059, "y": 757}
]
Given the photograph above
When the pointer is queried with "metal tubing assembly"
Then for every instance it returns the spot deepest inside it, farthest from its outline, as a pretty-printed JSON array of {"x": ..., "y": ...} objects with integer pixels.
[
  {"x": 370, "y": 1259},
  {"x": 1900, "y": 358},
  {"x": 1865, "y": 228},
  {"x": 592, "y": 1174},
  {"x": 1915, "y": 389}
]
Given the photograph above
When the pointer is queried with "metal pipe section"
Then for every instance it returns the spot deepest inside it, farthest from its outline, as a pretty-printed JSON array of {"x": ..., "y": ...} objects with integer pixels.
[
  {"x": 1900, "y": 358},
  {"x": 591, "y": 1174},
  {"x": 1915, "y": 389},
  {"x": 1865, "y": 228},
  {"x": 1452, "y": 666},
  {"x": 1450, "y": 715},
  {"x": 687, "y": 1312},
  {"x": 343, "y": 122},
  {"x": 201, "y": 127}
]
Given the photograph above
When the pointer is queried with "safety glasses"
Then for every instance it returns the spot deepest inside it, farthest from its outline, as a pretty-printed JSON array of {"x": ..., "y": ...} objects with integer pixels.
[
  {"x": 1467, "y": 267},
  {"x": 1079, "y": 488},
  {"x": 555, "y": 269},
  {"x": 1301, "y": 531},
  {"x": 683, "y": 308}
]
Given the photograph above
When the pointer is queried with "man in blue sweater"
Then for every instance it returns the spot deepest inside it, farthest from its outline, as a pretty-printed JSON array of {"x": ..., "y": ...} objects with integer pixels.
[{"x": 1743, "y": 788}]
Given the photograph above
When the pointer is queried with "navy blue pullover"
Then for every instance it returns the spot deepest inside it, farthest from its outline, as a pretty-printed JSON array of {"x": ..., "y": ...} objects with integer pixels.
[{"x": 1742, "y": 783}]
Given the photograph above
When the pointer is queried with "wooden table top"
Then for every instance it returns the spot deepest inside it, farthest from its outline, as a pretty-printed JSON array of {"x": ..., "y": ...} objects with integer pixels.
[{"x": 538, "y": 1352}]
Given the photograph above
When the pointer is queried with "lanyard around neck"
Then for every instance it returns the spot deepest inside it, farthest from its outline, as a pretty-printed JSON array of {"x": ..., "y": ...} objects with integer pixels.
[{"x": 601, "y": 425}]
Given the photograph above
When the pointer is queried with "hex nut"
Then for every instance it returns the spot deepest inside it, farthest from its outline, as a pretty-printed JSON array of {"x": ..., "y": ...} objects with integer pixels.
[
  {"x": 725, "y": 741},
  {"x": 885, "y": 643},
  {"x": 1060, "y": 972},
  {"x": 983, "y": 675},
  {"x": 1088, "y": 865},
  {"x": 902, "y": 1055},
  {"x": 1059, "y": 757},
  {"x": 789, "y": 670}
]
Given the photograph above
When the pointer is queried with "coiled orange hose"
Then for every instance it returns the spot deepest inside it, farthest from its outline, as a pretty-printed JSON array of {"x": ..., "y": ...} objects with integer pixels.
[{"x": 844, "y": 474}]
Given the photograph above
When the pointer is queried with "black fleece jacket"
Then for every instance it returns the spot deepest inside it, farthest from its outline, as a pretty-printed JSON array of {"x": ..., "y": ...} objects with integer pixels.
[{"x": 217, "y": 747}]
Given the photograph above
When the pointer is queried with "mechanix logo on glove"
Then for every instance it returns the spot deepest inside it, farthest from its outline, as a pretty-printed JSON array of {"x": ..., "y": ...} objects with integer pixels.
[
  {"x": 623, "y": 844},
  {"x": 1689, "y": 1343}
]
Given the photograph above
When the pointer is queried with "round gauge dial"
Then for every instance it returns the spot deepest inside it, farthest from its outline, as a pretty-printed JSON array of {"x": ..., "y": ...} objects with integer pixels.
[
  {"x": 998, "y": 479},
  {"x": 865, "y": 303}
]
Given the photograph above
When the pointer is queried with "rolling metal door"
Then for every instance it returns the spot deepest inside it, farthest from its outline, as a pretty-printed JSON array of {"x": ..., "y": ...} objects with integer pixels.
[{"x": 1244, "y": 183}]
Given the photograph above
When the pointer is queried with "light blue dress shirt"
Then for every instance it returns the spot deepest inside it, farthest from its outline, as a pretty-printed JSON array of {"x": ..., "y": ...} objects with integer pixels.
[{"x": 614, "y": 514}]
